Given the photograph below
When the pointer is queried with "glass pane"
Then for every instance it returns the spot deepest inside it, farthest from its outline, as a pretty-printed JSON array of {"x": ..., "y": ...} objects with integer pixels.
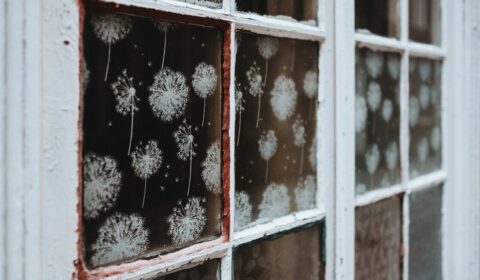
[
  {"x": 209, "y": 270},
  {"x": 379, "y": 17},
  {"x": 377, "y": 120},
  {"x": 424, "y": 22},
  {"x": 296, "y": 255},
  {"x": 275, "y": 169},
  {"x": 304, "y": 11},
  {"x": 214, "y": 4},
  {"x": 425, "y": 114},
  {"x": 425, "y": 249},
  {"x": 378, "y": 240},
  {"x": 151, "y": 136}
]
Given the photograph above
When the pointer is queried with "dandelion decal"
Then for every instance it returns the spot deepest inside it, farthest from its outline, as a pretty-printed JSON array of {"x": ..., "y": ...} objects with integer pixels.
[
  {"x": 267, "y": 146},
  {"x": 361, "y": 111},
  {"x": 168, "y": 94},
  {"x": 125, "y": 97},
  {"x": 312, "y": 154},
  {"x": 298, "y": 129},
  {"x": 374, "y": 96},
  {"x": 424, "y": 69},
  {"x": 110, "y": 28},
  {"x": 413, "y": 111},
  {"x": 305, "y": 193},
  {"x": 391, "y": 156},
  {"x": 185, "y": 144},
  {"x": 275, "y": 202},
  {"x": 310, "y": 87},
  {"x": 120, "y": 236},
  {"x": 267, "y": 48},
  {"x": 211, "y": 168},
  {"x": 436, "y": 138},
  {"x": 187, "y": 222},
  {"x": 239, "y": 108},
  {"x": 146, "y": 161},
  {"x": 163, "y": 26},
  {"x": 387, "y": 110},
  {"x": 204, "y": 82},
  {"x": 422, "y": 150},
  {"x": 372, "y": 159},
  {"x": 424, "y": 97},
  {"x": 101, "y": 184},
  {"x": 393, "y": 66},
  {"x": 283, "y": 97},
  {"x": 255, "y": 85},
  {"x": 374, "y": 63},
  {"x": 243, "y": 210}
]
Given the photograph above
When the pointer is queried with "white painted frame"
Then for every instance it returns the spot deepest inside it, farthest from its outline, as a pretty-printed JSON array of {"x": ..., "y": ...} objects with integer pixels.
[{"x": 40, "y": 92}]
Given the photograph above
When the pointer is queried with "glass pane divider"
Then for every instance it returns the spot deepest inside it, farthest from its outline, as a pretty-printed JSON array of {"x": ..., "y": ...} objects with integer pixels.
[
  {"x": 426, "y": 181},
  {"x": 231, "y": 132},
  {"x": 279, "y": 28},
  {"x": 406, "y": 235},
  {"x": 378, "y": 194},
  {"x": 426, "y": 50},
  {"x": 379, "y": 43}
]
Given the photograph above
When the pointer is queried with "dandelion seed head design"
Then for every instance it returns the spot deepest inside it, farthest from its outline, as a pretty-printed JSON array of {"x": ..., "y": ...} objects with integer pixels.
[
  {"x": 111, "y": 28},
  {"x": 310, "y": 84},
  {"x": 424, "y": 69},
  {"x": 204, "y": 80},
  {"x": 360, "y": 113},
  {"x": 267, "y": 46},
  {"x": 391, "y": 155},
  {"x": 305, "y": 193},
  {"x": 374, "y": 96},
  {"x": 243, "y": 210},
  {"x": 120, "y": 236},
  {"x": 147, "y": 159},
  {"x": 422, "y": 150},
  {"x": 275, "y": 202},
  {"x": 169, "y": 94},
  {"x": 239, "y": 100},
  {"x": 267, "y": 144},
  {"x": 185, "y": 141},
  {"x": 211, "y": 169},
  {"x": 187, "y": 222},
  {"x": 436, "y": 138},
  {"x": 413, "y": 111},
  {"x": 424, "y": 96},
  {"x": 125, "y": 94},
  {"x": 393, "y": 66},
  {"x": 312, "y": 153},
  {"x": 254, "y": 80},
  {"x": 372, "y": 158},
  {"x": 298, "y": 130},
  {"x": 101, "y": 184},
  {"x": 283, "y": 97},
  {"x": 374, "y": 63},
  {"x": 163, "y": 26},
  {"x": 387, "y": 110}
]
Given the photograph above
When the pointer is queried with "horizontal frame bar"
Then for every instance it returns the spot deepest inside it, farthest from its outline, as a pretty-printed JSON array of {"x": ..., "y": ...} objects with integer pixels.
[
  {"x": 377, "y": 195},
  {"x": 426, "y": 50},
  {"x": 427, "y": 181},
  {"x": 380, "y": 43}
]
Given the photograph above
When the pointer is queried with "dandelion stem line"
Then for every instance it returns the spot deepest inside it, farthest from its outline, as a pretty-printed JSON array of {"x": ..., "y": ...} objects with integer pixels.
[
  {"x": 266, "y": 72},
  {"x": 259, "y": 106},
  {"x": 190, "y": 175},
  {"x": 301, "y": 160},
  {"x": 266, "y": 172},
  {"x": 164, "y": 47},
  {"x": 204, "y": 106},
  {"x": 131, "y": 127},
  {"x": 108, "y": 61},
  {"x": 239, "y": 127},
  {"x": 144, "y": 193}
]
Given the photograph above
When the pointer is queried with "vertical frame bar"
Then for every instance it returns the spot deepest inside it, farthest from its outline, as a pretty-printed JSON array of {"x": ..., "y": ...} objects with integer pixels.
[{"x": 3, "y": 90}]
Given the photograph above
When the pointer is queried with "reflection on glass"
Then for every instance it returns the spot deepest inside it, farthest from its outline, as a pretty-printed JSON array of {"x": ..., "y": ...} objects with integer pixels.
[
  {"x": 379, "y": 17},
  {"x": 424, "y": 22},
  {"x": 296, "y": 255},
  {"x": 210, "y": 270},
  {"x": 151, "y": 136},
  {"x": 377, "y": 119},
  {"x": 304, "y": 11},
  {"x": 277, "y": 85},
  {"x": 425, "y": 113},
  {"x": 378, "y": 237},
  {"x": 425, "y": 231}
]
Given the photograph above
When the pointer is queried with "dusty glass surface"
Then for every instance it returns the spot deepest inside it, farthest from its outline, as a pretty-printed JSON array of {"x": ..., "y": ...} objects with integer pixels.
[
  {"x": 304, "y": 11},
  {"x": 425, "y": 21},
  {"x": 425, "y": 112},
  {"x": 275, "y": 141},
  {"x": 378, "y": 240},
  {"x": 151, "y": 136},
  {"x": 380, "y": 17},
  {"x": 377, "y": 120},
  {"x": 210, "y": 270},
  {"x": 425, "y": 234},
  {"x": 295, "y": 255}
]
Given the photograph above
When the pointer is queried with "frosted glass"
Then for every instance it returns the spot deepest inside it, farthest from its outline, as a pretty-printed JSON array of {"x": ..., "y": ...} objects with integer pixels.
[
  {"x": 425, "y": 231},
  {"x": 377, "y": 120},
  {"x": 275, "y": 138}
]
